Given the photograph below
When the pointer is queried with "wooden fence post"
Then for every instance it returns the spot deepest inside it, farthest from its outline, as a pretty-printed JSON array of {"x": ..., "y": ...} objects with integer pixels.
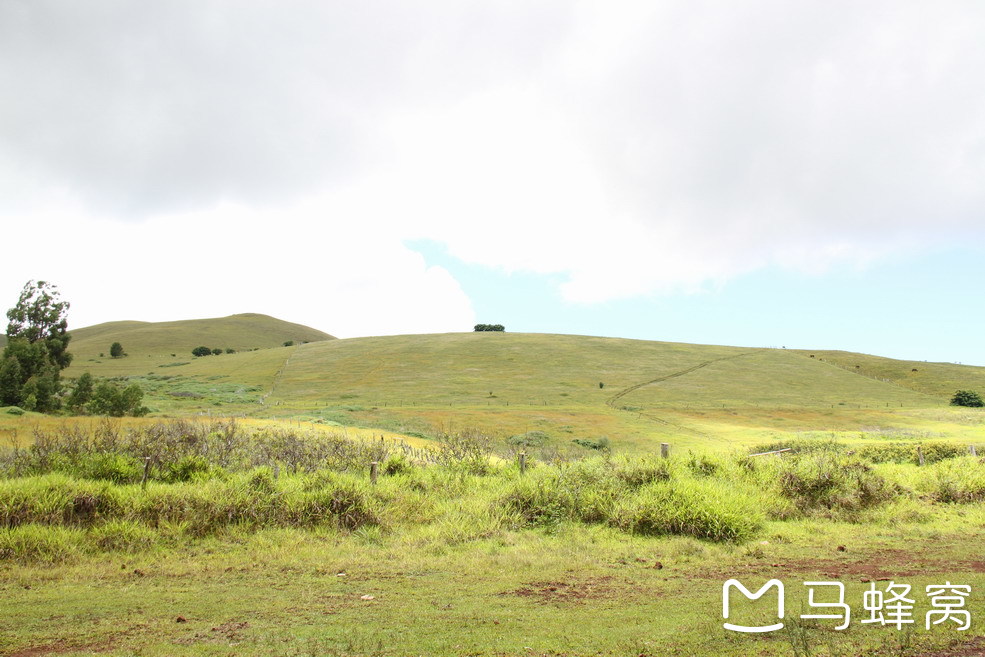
[
  {"x": 143, "y": 482},
  {"x": 920, "y": 454},
  {"x": 373, "y": 472},
  {"x": 523, "y": 462},
  {"x": 665, "y": 450},
  {"x": 972, "y": 450}
]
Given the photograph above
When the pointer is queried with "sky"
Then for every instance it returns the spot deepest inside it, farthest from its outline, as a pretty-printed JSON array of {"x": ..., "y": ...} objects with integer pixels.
[{"x": 763, "y": 173}]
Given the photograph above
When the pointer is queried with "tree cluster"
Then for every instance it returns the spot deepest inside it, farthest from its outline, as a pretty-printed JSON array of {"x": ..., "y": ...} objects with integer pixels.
[
  {"x": 206, "y": 351},
  {"x": 489, "y": 327},
  {"x": 104, "y": 397},
  {"x": 37, "y": 349}
]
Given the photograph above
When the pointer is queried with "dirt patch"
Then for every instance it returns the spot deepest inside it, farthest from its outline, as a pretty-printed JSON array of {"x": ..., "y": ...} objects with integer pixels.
[
  {"x": 873, "y": 566},
  {"x": 62, "y": 646},
  {"x": 596, "y": 588},
  {"x": 971, "y": 648},
  {"x": 231, "y": 631}
]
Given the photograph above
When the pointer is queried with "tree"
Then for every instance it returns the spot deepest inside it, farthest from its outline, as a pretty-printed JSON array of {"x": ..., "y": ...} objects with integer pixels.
[
  {"x": 201, "y": 351},
  {"x": 116, "y": 350},
  {"x": 109, "y": 399},
  {"x": 10, "y": 381},
  {"x": 216, "y": 351},
  {"x": 37, "y": 338},
  {"x": 81, "y": 394},
  {"x": 967, "y": 398}
]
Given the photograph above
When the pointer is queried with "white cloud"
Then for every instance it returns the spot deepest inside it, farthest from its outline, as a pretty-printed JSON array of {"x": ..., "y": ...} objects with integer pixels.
[{"x": 279, "y": 151}]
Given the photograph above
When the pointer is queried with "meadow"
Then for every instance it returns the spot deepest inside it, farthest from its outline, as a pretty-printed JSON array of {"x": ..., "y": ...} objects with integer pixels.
[
  {"x": 242, "y": 516},
  {"x": 273, "y": 540}
]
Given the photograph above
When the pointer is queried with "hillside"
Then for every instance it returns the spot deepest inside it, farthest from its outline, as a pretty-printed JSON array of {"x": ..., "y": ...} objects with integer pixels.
[
  {"x": 633, "y": 392},
  {"x": 940, "y": 379},
  {"x": 154, "y": 344}
]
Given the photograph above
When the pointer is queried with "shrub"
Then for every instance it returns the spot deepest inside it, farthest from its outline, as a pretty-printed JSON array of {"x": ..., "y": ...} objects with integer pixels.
[
  {"x": 702, "y": 509},
  {"x": 637, "y": 472},
  {"x": 39, "y": 543},
  {"x": 828, "y": 481},
  {"x": 201, "y": 351},
  {"x": 529, "y": 439},
  {"x": 216, "y": 351},
  {"x": 967, "y": 398},
  {"x": 116, "y": 350},
  {"x": 959, "y": 481},
  {"x": 601, "y": 444},
  {"x": 190, "y": 467},
  {"x": 108, "y": 466},
  {"x": 396, "y": 464},
  {"x": 122, "y": 535}
]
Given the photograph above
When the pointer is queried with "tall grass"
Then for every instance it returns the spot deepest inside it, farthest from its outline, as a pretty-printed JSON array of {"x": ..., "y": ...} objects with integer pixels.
[{"x": 80, "y": 491}]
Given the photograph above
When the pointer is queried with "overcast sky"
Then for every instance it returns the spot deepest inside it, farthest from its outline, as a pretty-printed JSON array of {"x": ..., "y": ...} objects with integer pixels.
[{"x": 757, "y": 173}]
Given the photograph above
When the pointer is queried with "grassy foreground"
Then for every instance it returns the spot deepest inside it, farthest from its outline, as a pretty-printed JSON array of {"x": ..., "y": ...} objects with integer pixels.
[{"x": 455, "y": 551}]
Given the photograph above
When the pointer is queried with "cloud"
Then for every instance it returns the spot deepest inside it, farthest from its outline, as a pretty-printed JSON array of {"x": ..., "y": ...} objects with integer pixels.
[
  {"x": 636, "y": 148},
  {"x": 232, "y": 259}
]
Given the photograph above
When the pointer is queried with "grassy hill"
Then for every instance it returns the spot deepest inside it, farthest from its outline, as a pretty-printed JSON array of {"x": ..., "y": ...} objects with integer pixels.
[
  {"x": 633, "y": 392},
  {"x": 940, "y": 379},
  {"x": 149, "y": 345}
]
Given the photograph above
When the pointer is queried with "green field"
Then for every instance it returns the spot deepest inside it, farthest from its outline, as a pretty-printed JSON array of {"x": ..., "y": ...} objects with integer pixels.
[
  {"x": 634, "y": 393},
  {"x": 264, "y": 535}
]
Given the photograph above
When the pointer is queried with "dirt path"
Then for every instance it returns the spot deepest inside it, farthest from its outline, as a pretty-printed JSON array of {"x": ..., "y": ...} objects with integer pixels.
[
  {"x": 280, "y": 374},
  {"x": 611, "y": 401}
]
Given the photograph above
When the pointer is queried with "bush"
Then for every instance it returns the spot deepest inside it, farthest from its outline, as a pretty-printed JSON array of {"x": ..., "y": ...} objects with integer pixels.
[
  {"x": 711, "y": 510},
  {"x": 116, "y": 350},
  {"x": 600, "y": 444},
  {"x": 637, "y": 472},
  {"x": 122, "y": 535},
  {"x": 828, "y": 481},
  {"x": 107, "y": 466},
  {"x": 529, "y": 439},
  {"x": 967, "y": 398},
  {"x": 960, "y": 481},
  {"x": 216, "y": 351},
  {"x": 191, "y": 467},
  {"x": 201, "y": 351}
]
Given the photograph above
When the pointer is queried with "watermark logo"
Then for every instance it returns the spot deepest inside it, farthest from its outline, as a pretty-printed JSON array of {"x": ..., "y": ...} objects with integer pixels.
[
  {"x": 734, "y": 583},
  {"x": 892, "y": 605}
]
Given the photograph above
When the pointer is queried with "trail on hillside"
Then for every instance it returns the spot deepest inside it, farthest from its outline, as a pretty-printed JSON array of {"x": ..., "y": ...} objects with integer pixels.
[
  {"x": 611, "y": 401},
  {"x": 280, "y": 374}
]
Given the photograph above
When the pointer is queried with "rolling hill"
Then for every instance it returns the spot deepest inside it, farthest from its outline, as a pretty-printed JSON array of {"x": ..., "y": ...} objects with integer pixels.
[
  {"x": 633, "y": 392},
  {"x": 151, "y": 344}
]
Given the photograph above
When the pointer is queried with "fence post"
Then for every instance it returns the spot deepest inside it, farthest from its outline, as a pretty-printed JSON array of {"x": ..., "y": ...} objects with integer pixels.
[
  {"x": 276, "y": 470},
  {"x": 523, "y": 462},
  {"x": 143, "y": 482},
  {"x": 920, "y": 454},
  {"x": 373, "y": 472},
  {"x": 972, "y": 450},
  {"x": 665, "y": 450}
]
